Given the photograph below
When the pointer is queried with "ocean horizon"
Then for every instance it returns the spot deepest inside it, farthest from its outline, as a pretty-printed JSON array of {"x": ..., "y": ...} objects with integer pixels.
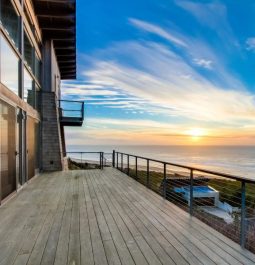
[{"x": 234, "y": 160}]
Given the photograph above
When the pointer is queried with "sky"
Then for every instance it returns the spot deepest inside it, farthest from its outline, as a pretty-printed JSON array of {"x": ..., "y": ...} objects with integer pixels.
[{"x": 164, "y": 72}]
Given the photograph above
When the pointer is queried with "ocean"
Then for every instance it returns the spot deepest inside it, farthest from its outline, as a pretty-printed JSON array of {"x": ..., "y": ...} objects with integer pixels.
[{"x": 235, "y": 160}]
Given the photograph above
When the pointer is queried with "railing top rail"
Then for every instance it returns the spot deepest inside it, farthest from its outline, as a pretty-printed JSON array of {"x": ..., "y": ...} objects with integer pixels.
[
  {"x": 83, "y": 152},
  {"x": 216, "y": 173},
  {"x": 71, "y": 101},
  {"x": 73, "y": 110}
]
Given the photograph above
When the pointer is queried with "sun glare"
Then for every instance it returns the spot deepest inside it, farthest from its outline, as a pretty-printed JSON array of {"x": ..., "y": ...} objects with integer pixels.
[{"x": 196, "y": 133}]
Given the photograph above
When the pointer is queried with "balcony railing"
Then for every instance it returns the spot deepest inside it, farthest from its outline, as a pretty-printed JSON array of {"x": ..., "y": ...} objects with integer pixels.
[
  {"x": 85, "y": 160},
  {"x": 71, "y": 113},
  {"x": 89, "y": 160},
  {"x": 223, "y": 201}
]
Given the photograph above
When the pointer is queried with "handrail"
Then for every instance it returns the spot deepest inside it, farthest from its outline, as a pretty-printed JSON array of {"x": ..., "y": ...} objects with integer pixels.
[
  {"x": 71, "y": 110},
  {"x": 101, "y": 156},
  {"x": 71, "y": 101},
  {"x": 83, "y": 152},
  {"x": 152, "y": 176},
  {"x": 216, "y": 173}
]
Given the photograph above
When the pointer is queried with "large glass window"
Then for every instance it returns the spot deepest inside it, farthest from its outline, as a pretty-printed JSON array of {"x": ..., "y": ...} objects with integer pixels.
[
  {"x": 28, "y": 51},
  {"x": 37, "y": 98},
  {"x": 37, "y": 69},
  {"x": 29, "y": 95},
  {"x": 28, "y": 18},
  {"x": 37, "y": 145},
  {"x": 31, "y": 147},
  {"x": 9, "y": 66},
  {"x": 10, "y": 21},
  {"x": 7, "y": 149}
]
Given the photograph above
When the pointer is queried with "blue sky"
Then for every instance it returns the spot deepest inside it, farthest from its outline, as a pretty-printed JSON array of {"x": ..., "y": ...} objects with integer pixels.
[{"x": 165, "y": 72}]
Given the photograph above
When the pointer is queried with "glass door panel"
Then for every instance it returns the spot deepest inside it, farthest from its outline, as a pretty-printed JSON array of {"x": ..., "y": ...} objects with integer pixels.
[
  {"x": 30, "y": 147},
  {"x": 37, "y": 147},
  {"x": 19, "y": 159},
  {"x": 7, "y": 149}
]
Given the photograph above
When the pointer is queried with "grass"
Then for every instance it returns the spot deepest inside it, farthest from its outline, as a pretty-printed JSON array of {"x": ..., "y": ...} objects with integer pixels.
[
  {"x": 230, "y": 192},
  {"x": 73, "y": 165}
]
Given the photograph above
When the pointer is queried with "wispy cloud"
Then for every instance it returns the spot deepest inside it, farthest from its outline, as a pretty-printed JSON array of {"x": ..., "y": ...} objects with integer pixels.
[
  {"x": 213, "y": 15},
  {"x": 250, "y": 44},
  {"x": 166, "y": 76},
  {"x": 109, "y": 97},
  {"x": 201, "y": 52},
  {"x": 157, "y": 79},
  {"x": 151, "y": 28},
  {"x": 203, "y": 63}
]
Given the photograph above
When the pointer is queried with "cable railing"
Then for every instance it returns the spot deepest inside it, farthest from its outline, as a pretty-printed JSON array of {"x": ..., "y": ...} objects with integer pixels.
[
  {"x": 89, "y": 160},
  {"x": 107, "y": 159},
  {"x": 223, "y": 201},
  {"x": 85, "y": 160}
]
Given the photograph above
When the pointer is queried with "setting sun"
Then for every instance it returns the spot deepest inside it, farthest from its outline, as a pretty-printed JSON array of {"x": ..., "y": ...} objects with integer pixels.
[{"x": 196, "y": 133}]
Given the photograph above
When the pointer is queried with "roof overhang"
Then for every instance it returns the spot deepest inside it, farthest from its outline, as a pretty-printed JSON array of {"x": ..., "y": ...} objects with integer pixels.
[{"x": 57, "y": 20}]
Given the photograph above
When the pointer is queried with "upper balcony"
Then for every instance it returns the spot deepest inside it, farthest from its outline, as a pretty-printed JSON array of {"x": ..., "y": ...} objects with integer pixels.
[{"x": 71, "y": 113}]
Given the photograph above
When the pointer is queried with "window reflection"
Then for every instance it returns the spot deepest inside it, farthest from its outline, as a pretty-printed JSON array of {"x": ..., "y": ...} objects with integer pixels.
[
  {"x": 28, "y": 89},
  {"x": 7, "y": 149},
  {"x": 37, "y": 69},
  {"x": 10, "y": 21},
  {"x": 37, "y": 98},
  {"x": 28, "y": 51},
  {"x": 9, "y": 66},
  {"x": 28, "y": 18}
]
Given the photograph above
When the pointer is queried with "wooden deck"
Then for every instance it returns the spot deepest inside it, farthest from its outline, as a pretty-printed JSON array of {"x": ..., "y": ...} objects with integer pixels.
[{"x": 104, "y": 217}]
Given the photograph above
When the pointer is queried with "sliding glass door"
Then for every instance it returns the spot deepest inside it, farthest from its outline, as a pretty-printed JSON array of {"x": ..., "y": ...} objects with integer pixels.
[
  {"x": 7, "y": 149},
  {"x": 32, "y": 147}
]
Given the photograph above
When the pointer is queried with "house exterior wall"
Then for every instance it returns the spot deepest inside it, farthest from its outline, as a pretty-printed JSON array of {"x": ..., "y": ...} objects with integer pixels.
[
  {"x": 30, "y": 90},
  {"x": 52, "y": 153}
]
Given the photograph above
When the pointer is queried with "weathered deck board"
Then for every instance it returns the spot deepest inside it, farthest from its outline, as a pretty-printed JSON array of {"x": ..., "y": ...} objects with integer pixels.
[{"x": 104, "y": 217}]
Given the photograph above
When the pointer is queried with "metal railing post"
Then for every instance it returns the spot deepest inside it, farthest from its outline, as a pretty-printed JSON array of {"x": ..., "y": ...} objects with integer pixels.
[
  {"x": 102, "y": 160},
  {"x": 148, "y": 173},
  {"x": 243, "y": 216},
  {"x": 117, "y": 160},
  {"x": 164, "y": 183},
  {"x": 113, "y": 158},
  {"x": 191, "y": 193},
  {"x": 122, "y": 162},
  {"x": 136, "y": 168},
  {"x": 82, "y": 111},
  {"x": 128, "y": 165}
]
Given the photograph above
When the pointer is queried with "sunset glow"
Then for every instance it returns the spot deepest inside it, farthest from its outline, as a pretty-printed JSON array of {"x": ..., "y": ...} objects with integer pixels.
[
  {"x": 164, "y": 79},
  {"x": 196, "y": 133}
]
